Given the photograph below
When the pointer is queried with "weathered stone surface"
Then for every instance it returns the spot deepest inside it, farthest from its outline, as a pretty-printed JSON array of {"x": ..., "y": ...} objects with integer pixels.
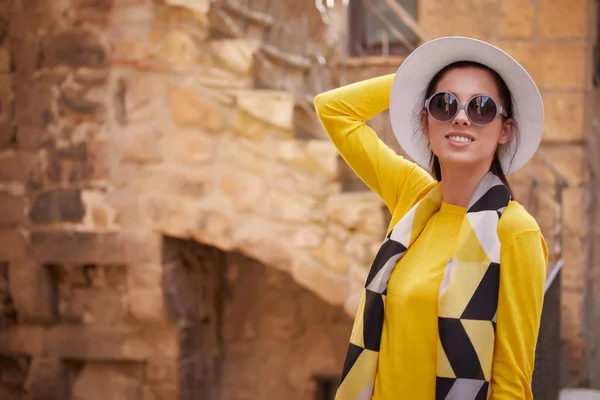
[
  {"x": 6, "y": 98},
  {"x": 179, "y": 48},
  {"x": 517, "y": 19},
  {"x": 75, "y": 48},
  {"x": 357, "y": 211},
  {"x": 33, "y": 292},
  {"x": 177, "y": 180},
  {"x": 12, "y": 209},
  {"x": 167, "y": 213},
  {"x": 4, "y": 59},
  {"x": 235, "y": 54},
  {"x": 47, "y": 379},
  {"x": 141, "y": 145},
  {"x": 190, "y": 109},
  {"x": 552, "y": 65},
  {"x": 196, "y": 6},
  {"x": 565, "y": 116},
  {"x": 558, "y": 19},
  {"x": 328, "y": 285},
  {"x": 89, "y": 247},
  {"x": 97, "y": 381},
  {"x": 57, "y": 205},
  {"x": 35, "y": 103},
  {"x": 14, "y": 244},
  {"x": 469, "y": 18},
  {"x": 189, "y": 148},
  {"x": 143, "y": 97},
  {"x": 331, "y": 254},
  {"x": 147, "y": 305},
  {"x": 575, "y": 255},
  {"x": 274, "y": 107}
]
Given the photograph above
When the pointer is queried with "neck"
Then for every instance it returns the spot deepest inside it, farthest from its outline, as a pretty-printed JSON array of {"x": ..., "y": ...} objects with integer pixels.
[{"x": 459, "y": 184}]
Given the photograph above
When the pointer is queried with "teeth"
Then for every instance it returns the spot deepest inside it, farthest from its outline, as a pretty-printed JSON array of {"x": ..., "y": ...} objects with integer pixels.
[{"x": 460, "y": 139}]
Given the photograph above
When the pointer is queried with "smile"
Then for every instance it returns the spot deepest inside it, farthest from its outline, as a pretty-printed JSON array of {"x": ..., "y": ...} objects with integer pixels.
[{"x": 461, "y": 139}]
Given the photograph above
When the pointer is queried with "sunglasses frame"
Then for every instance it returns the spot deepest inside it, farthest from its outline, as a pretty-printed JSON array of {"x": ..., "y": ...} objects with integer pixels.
[{"x": 499, "y": 109}]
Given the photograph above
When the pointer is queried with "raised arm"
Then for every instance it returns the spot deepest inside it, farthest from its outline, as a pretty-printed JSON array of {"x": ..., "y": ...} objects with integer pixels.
[
  {"x": 343, "y": 113},
  {"x": 522, "y": 281}
]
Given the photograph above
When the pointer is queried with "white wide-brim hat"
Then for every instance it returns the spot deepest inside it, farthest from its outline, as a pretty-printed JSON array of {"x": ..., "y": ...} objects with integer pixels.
[{"x": 417, "y": 70}]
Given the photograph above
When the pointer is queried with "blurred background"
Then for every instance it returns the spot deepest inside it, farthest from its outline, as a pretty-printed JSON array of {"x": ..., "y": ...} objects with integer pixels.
[{"x": 175, "y": 224}]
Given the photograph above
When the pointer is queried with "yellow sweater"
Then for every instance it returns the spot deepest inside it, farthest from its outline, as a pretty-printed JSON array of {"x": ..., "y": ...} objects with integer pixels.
[{"x": 407, "y": 361}]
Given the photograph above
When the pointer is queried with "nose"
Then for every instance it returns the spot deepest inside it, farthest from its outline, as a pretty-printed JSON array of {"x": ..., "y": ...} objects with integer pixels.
[{"x": 461, "y": 119}]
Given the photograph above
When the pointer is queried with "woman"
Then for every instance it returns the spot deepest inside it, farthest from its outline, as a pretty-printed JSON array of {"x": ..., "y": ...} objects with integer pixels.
[{"x": 452, "y": 303}]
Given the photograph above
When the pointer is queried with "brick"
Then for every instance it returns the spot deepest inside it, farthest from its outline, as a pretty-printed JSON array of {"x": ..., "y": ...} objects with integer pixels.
[
  {"x": 47, "y": 379},
  {"x": 562, "y": 19},
  {"x": 34, "y": 292},
  {"x": 553, "y": 65},
  {"x": 57, "y": 205},
  {"x": 564, "y": 114},
  {"x": 12, "y": 208},
  {"x": 93, "y": 247},
  {"x": 14, "y": 244},
  {"x": 474, "y": 18},
  {"x": 75, "y": 48}
]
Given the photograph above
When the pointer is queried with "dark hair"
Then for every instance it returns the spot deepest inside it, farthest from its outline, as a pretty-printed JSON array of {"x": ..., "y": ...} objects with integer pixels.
[{"x": 505, "y": 98}]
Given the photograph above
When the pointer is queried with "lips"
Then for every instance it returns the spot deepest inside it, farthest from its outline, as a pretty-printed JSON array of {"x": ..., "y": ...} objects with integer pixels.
[{"x": 460, "y": 137}]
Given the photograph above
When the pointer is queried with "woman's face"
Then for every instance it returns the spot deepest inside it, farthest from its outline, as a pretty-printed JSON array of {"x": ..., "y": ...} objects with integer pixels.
[{"x": 459, "y": 143}]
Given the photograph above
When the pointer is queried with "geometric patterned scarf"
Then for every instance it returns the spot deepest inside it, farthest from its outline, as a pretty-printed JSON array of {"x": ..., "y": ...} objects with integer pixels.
[{"x": 467, "y": 302}]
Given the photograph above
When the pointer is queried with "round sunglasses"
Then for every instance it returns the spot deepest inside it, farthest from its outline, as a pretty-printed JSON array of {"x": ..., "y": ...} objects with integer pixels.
[{"x": 481, "y": 110}]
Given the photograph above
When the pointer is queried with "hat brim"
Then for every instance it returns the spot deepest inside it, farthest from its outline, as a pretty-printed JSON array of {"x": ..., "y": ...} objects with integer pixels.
[{"x": 417, "y": 70}]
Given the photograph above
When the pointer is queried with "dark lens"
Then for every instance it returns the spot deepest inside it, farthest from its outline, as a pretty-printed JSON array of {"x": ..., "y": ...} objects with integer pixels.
[
  {"x": 481, "y": 110},
  {"x": 443, "y": 106}
]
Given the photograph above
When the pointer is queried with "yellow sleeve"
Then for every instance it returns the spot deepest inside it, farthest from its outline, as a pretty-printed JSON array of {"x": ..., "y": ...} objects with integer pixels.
[
  {"x": 522, "y": 281},
  {"x": 343, "y": 113}
]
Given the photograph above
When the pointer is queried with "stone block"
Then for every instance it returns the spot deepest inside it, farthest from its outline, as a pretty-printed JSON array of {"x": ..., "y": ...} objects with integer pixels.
[
  {"x": 561, "y": 19},
  {"x": 35, "y": 103},
  {"x": 47, "y": 379},
  {"x": 357, "y": 212},
  {"x": 196, "y": 6},
  {"x": 264, "y": 241},
  {"x": 12, "y": 166},
  {"x": 141, "y": 145},
  {"x": 276, "y": 108},
  {"x": 569, "y": 160},
  {"x": 23, "y": 339},
  {"x": 245, "y": 190},
  {"x": 126, "y": 246},
  {"x": 99, "y": 214},
  {"x": 12, "y": 208},
  {"x": 176, "y": 180},
  {"x": 236, "y": 55},
  {"x": 332, "y": 256},
  {"x": 564, "y": 114},
  {"x": 191, "y": 109},
  {"x": 166, "y": 213},
  {"x": 99, "y": 381},
  {"x": 94, "y": 307},
  {"x": 552, "y": 65},
  {"x": 469, "y": 18},
  {"x": 115, "y": 344},
  {"x": 144, "y": 276},
  {"x": 75, "y": 48},
  {"x": 147, "y": 305},
  {"x": 517, "y": 19},
  {"x": 213, "y": 226},
  {"x": 328, "y": 285},
  {"x": 178, "y": 48},
  {"x": 143, "y": 97},
  {"x": 14, "y": 244},
  {"x": 57, "y": 205},
  {"x": 34, "y": 292},
  {"x": 572, "y": 303},
  {"x": 190, "y": 147}
]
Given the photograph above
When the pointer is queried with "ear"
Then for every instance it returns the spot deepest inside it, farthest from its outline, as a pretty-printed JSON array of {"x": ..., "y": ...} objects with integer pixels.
[{"x": 507, "y": 131}]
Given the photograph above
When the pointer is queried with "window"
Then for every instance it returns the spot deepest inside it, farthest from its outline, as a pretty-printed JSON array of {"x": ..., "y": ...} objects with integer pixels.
[{"x": 376, "y": 27}]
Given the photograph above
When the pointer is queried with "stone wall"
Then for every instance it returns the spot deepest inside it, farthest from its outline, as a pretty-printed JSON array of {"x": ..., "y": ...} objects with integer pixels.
[{"x": 135, "y": 119}]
